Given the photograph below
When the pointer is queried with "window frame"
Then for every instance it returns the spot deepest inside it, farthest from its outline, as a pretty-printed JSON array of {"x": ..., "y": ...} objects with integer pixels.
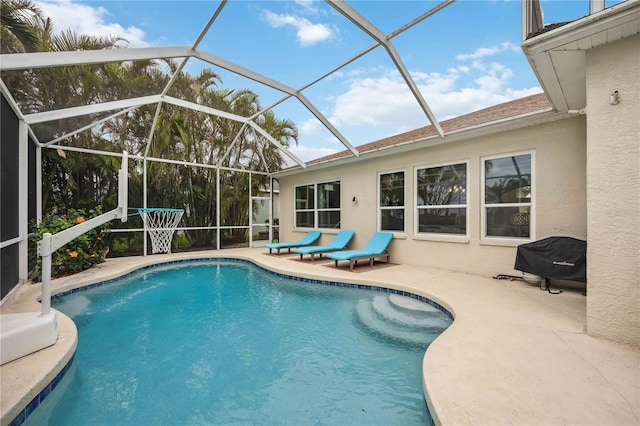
[
  {"x": 316, "y": 210},
  {"x": 434, "y": 236},
  {"x": 508, "y": 240},
  {"x": 379, "y": 208}
]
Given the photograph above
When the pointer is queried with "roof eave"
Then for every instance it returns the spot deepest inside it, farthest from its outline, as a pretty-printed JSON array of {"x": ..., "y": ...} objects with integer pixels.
[
  {"x": 557, "y": 57},
  {"x": 546, "y": 115}
]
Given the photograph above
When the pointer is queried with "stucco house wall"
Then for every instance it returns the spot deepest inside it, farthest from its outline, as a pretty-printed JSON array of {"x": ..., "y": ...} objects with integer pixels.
[
  {"x": 613, "y": 191},
  {"x": 560, "y": 208}
]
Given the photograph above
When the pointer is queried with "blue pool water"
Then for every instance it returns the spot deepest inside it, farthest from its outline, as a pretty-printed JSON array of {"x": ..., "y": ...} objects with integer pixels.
[{"x": 229, "y": 343}]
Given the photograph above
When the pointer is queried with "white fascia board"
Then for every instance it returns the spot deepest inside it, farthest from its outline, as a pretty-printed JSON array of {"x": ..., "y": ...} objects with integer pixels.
[
  {"x": 245, "y": 72},
  {"x": 277, "y": 144},
  {"x": 59, "y": 114},
  {"x": 20, "y": 61},
  {"x": 204, "y": 109},
  {"x": 542, "y": 66},
  {"x": 616, "y": 15}
]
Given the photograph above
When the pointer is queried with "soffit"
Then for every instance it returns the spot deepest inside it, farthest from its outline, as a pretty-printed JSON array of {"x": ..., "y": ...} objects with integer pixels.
[{"x": 557, "y": 56}]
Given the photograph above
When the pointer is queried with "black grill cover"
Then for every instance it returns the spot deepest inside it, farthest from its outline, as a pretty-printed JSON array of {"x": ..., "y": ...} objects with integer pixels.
[{"x": 562, "y": 258}]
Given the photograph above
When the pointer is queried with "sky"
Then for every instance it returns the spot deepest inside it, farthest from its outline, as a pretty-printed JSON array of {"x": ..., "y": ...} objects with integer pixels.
[{"x": 463, "y": 58}]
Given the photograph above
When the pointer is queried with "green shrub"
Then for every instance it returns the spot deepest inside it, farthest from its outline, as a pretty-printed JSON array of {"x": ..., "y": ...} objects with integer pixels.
[
  {"x": 180, "y": 241},
  {"x": 79, "y": 254},
  {"x": 125, "y": 244}
]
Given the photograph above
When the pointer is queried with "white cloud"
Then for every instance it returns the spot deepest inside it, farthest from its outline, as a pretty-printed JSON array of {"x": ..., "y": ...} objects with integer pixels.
[
  {"x": 84, "y": 19},
  {"x": 307, "y": 33},
  {"x": 373, "y": 102},
  {"x": 306, "y": 153},
  {"x": 482, "y": 52},
  {"x": 385, "y": 102},
  {"x": 310, "y": 127},
  {"x": 307, "y": 7}
]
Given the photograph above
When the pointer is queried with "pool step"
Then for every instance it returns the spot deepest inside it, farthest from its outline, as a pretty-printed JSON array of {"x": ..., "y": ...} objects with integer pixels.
[
  {"x": 408, "y": 312},
  {"x": 409, "y": 304},
  {"x": 382, "y": 319}
]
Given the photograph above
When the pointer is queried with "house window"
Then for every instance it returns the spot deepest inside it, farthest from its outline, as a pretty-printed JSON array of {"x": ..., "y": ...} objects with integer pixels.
[
  {"x": 441, "y": 199},
  {"x": 318, "y": 205},
  {"x": 305, "y": 206},
  {"x": 391, "y": 201},
  {"x": 508, "y": 194}
]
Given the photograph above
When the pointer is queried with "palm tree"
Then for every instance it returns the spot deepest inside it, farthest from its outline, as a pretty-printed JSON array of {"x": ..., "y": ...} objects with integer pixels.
[
  {"x": 82, "y": 180},
  {"x": 17, "y": 32},
  {"x": 77, "y": 180}
]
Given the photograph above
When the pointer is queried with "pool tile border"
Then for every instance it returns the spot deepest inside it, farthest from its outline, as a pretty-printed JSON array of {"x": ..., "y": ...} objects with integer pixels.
[
  {"x": 38, "y": 399},
  {"x": 279, "y": 274}
]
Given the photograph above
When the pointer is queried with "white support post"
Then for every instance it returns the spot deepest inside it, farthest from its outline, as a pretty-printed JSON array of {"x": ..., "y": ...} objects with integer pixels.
[
  {"x": 23, "y": 201},
  {"x": 218, "y": 208},
  {"x": 45, "y": 247},
  {"x": 531, "y": 18},
  {"x": 38, "y": 184},
  {"x": 123, "y": 193},
  {"x": 270, "y": 209},
  {"x": 144, "y": 202},
  {"x": 596, "y": 6},
  {"x": 250, "y": 213}
]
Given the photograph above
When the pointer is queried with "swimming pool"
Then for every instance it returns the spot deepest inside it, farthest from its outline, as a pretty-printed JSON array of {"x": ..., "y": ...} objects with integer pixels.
[{"x": 228, "y": 342}]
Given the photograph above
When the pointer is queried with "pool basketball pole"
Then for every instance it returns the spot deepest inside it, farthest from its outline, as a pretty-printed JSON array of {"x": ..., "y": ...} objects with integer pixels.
[
  {"x": 50, "y": 243},
  {"x": 28, "y": 332}
]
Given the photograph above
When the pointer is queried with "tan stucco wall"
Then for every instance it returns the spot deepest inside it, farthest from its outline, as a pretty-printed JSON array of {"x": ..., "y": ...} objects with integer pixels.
[
  {"x": 559, "y": 152},
  {"x": 613, "y": 191}
]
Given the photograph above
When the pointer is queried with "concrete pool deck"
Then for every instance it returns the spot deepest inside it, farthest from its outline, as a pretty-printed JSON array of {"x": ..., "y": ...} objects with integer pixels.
[{"x": 514, "y": 354}]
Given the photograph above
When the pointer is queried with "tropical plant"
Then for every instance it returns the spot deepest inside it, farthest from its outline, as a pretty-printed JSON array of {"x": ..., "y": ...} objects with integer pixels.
[
  {"x": 82, "y": 253},
  {"x": 17, "y": 30},
  {"x": 80, "y": 180}
]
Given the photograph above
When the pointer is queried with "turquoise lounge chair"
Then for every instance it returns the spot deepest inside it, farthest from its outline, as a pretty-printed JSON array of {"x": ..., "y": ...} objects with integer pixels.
[
  {"x": 376, "y": 247},
  {"x": 309, "y": 239},
  {"x": 339, "y": 242}
]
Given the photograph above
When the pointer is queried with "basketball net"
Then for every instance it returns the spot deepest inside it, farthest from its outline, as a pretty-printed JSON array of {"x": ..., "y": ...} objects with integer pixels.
[{"x": 161, "y": 224}]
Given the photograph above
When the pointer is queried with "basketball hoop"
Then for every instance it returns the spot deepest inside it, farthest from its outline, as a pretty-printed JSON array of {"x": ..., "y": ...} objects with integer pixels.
[{"x": 161, "y": 224}]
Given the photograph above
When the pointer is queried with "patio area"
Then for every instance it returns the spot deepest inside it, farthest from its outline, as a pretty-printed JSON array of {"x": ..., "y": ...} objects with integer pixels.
[{"x": 514, "y": 354}]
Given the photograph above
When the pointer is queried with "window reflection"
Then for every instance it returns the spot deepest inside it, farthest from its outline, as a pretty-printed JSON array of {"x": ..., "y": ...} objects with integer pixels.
[
  {"x": 508, "y": 180},
  {"x": 391, "y": 208},
  {"x": 508, "y": 196},
  {"x": 441, "y": 194}
]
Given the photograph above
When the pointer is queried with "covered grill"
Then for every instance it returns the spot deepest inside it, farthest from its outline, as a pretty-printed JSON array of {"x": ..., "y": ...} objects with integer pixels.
[{"x": 563, "y": 258}]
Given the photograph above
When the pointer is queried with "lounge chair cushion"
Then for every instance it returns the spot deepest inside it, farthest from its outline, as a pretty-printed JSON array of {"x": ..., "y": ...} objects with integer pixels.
[
  {"x": 339, "y": 242},
  {"x": 308, "y": 239},
  {"x": 377, "y": 245}
]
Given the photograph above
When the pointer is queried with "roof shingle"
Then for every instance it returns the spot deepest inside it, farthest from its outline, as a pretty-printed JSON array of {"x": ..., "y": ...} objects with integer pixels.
[{"x": 491, "y": 114}]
